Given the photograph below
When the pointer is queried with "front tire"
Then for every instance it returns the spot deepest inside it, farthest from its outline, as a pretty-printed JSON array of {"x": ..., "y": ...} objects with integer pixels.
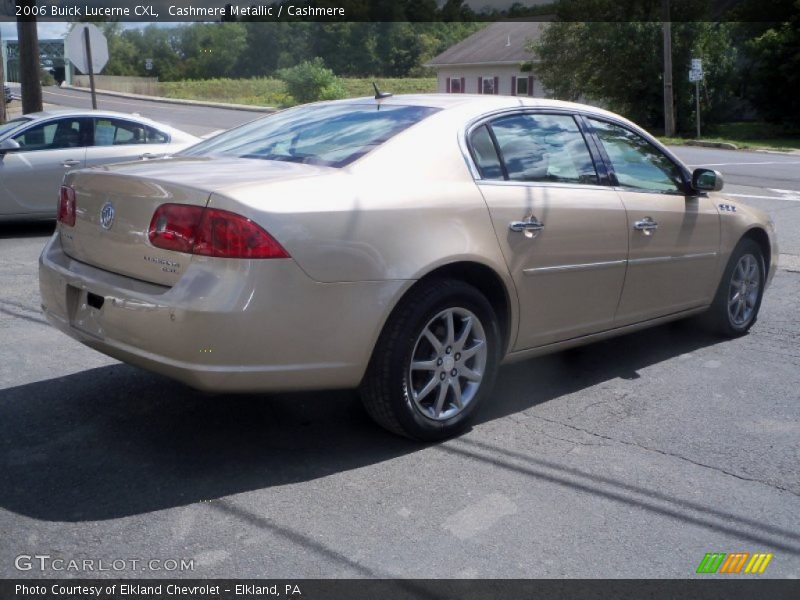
[
  {"x": 738, "y": 299},
  {"x": 435, "y": 361}
]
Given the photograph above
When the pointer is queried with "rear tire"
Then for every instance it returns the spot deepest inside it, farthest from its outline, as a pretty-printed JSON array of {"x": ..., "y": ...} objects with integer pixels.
[
  {"x": 434, "y": 363},
  {"x": 738, "y": 299}
]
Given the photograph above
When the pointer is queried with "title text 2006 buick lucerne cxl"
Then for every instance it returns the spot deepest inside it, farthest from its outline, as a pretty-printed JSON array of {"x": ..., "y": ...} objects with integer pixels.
[{"x": 405, "y": 245}]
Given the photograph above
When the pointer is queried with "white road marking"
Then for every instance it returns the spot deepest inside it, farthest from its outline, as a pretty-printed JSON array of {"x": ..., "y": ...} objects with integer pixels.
[{"x": 788, "y": 198}]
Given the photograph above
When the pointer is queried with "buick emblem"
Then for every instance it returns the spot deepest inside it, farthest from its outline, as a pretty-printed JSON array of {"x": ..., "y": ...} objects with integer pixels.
[{"x": 107, "y": 215}]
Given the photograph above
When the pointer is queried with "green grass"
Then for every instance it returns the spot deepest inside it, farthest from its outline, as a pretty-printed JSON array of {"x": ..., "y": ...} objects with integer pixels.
[
  {"x": 748, "y": 135},
  {"x": 272, "y": 92}
]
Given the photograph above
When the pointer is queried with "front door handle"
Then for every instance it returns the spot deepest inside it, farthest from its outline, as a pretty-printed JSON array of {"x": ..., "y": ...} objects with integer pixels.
[
  {"x": 70, "y": 162},
  {"x": 531, "y": 224},
  {"x": 149, "y": 155},
  {"x": 646, "y": 226}
]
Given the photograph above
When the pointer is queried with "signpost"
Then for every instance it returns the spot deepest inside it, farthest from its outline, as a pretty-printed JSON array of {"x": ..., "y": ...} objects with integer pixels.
[
  {"x": 87, "y": 49},
  {"x": 696, "y": 75},
  {"x": 148, "y": 64}
]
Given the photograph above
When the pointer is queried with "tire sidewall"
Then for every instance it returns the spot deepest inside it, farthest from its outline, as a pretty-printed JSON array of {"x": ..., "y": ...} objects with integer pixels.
[
  {"x": 746, "y": 246},
  {"x": 451, "y": 295}
]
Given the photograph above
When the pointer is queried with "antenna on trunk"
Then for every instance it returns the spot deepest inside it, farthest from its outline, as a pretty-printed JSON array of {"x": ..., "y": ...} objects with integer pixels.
[{"x": 379, "y": 94}]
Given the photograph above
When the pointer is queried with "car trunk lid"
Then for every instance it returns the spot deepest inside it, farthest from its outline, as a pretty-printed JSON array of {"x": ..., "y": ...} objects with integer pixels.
[{"x": 115, "y": 205}]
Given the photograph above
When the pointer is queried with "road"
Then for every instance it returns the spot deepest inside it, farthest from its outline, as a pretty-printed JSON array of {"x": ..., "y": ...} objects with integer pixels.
[
  {"x": 628, "y": 458},
  {"x": 193, "y": 119}
]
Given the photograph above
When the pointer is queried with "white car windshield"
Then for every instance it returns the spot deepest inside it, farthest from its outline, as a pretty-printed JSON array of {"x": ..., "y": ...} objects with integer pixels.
[{"x": 330, "y": 135}]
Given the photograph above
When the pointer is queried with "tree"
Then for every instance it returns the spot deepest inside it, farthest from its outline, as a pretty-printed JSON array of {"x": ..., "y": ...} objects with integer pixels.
[
  {"x": 773, "y": 70},
  {"x": 620, "y": 64}
]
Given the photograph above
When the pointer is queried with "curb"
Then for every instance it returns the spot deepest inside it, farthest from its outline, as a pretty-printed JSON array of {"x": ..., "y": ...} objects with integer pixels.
[
  {"x": 247, "y": 107},
  {"x": 703, "y": 144}
]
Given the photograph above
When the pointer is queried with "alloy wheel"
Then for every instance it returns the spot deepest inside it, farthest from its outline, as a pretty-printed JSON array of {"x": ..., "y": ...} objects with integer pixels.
[{"x": 447, "y": 364}]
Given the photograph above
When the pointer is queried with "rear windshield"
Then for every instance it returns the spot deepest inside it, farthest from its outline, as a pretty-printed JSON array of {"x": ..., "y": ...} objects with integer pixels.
[{"x": 330, "y": 135}]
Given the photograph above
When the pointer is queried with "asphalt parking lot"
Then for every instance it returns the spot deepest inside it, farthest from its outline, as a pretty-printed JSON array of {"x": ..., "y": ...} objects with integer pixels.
[
  {"x": 628, "y": 458},
  {"x": 632, "y": 457}
]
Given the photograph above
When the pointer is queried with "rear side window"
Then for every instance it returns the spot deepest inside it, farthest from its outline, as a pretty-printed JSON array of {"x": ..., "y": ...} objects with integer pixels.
[
  {"x": 540, "y": 147},
  {"x": 485, "y": 154},
  {"x": 118, "y": 132},
  {"x": 331, "y": 135}
]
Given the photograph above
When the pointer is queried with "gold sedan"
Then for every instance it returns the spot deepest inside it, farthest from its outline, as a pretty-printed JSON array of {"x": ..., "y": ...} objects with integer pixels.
[{"x": 404, "y": 245}]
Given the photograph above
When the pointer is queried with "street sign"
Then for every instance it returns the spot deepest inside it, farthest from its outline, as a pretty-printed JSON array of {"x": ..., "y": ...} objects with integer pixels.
[
  {"x": 697, "y": 64},
  {"x": 695, "y": 75},
  {"x": 76, "y": 48},
  {"x": 148, "y": 64}
]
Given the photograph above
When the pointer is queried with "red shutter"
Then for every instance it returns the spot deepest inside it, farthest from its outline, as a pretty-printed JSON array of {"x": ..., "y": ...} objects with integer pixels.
[
  {"x": 463, "y": 86},
  {"x": 448, "y": 85},
  {"x": 480, "y": 85},
  {"x": 513, "y": 85},
  {"x": 496, "y": 85},
  {"x": 530, "y": 85}
]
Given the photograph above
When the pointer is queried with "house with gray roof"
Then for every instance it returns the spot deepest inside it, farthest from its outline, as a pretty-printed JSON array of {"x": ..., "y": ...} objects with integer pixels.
[{"x": 490, "y": 62}]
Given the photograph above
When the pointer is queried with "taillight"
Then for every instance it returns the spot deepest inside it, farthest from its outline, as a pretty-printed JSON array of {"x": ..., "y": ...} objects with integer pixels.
[
  {"x": 66, "y": 206},
  {"x": 211, "y": 232}
]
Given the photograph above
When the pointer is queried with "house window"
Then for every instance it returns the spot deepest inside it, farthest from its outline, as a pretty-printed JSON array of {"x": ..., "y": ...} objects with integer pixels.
[
  {"x": 488, "y": 86},
  {"x": 522, "y": 86},
  {"x": 455, "y": 86}
]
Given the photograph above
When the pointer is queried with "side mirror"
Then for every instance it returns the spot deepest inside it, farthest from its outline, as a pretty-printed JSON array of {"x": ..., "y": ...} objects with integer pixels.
[
  {"x": 8, "y": 145},
  {"x": 707, "y": 180}
]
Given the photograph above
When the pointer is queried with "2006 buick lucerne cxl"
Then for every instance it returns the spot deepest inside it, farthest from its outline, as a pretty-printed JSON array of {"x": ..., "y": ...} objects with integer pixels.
[{"x": 404, "y": 245}]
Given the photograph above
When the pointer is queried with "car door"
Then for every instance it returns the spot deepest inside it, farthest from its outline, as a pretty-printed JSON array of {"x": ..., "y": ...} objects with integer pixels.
[
  {"x": 30, "y": 176},
  {"x": 562, "y": 231},
  {"x": 118, "y": 140},
  {"x": 674, "y": 235}
]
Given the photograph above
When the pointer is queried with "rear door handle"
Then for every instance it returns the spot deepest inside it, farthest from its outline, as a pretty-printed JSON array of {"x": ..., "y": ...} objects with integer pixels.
[
  {"x": 532, "y": 224},
  {"x": 646, "y": 225},
  {"x": 149, "y": 155},
  {"x": 70, "y": 162}
]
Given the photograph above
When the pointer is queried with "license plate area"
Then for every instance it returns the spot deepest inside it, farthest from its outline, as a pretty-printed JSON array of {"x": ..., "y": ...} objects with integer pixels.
[{"x": 85, "y": 311}]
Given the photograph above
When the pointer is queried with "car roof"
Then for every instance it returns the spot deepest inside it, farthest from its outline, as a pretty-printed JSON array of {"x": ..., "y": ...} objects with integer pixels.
[
  {"x": 51, "y": 113},
  {"x": 478, "y": 103}
]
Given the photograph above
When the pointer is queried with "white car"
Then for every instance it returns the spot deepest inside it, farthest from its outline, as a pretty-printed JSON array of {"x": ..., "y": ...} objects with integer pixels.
[{"x": 38, "y": 148}]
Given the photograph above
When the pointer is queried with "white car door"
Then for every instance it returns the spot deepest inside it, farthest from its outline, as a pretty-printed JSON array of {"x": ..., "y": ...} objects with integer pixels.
[{"x": 30, "y": 176}]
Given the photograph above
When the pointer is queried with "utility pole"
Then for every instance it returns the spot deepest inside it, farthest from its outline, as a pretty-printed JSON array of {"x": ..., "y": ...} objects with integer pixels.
[
  {"x": 3, "y": 117},
  {"x": 669, "y": 114},
  {"x": 29, "y": 69},
  {"x": 5, "y": 6}
]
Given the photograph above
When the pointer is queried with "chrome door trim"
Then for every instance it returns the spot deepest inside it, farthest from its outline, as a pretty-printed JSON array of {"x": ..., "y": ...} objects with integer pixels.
[
  {"x": 575, "y": 267},
  {"x": 663, "y": 259}
]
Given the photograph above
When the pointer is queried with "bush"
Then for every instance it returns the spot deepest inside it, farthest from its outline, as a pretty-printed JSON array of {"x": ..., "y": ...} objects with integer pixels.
[
  {"x": 311, "y": 81},
  {"x": 46, "y": 77}
]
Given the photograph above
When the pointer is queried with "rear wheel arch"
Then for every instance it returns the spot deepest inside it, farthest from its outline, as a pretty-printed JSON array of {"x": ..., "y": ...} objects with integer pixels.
[{"x": 483, "y": 278}]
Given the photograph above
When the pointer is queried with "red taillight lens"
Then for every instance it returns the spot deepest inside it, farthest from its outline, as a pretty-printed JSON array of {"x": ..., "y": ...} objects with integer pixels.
[
  {"x": 211, "y": 232},
  {"x": 174, "y": 227},
  {"x": 66, "y": 206}
]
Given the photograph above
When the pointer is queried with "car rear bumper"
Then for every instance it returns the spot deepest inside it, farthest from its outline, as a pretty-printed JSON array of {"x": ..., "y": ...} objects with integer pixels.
[{"x": 227, "y": 325}]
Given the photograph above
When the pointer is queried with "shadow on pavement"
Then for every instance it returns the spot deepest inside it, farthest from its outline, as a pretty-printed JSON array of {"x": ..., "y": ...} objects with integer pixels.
[
  {"x": 117, "y": 441},
  {"x": 26, "y": 229}
]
